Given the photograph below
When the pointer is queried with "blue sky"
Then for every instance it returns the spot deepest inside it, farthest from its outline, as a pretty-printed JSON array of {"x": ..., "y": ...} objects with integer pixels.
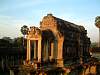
[{"x": 16, "y": 13}]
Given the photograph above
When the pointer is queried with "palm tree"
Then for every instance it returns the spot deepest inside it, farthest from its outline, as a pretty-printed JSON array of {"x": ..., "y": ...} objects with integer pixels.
[
  {"x": 97, "y": 23},
  {"x": 24, "y": 31}
]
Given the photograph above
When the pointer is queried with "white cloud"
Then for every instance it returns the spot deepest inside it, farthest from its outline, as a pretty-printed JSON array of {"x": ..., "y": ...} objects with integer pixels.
[{"x": 10, "y": 26}]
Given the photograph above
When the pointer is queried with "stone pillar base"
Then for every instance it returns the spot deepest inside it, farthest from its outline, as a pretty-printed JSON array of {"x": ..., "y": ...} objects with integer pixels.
[
  {"x": 81, "y": 60},
  {"x": 60, "y": 63},
  {"x": 11, "y": 72}
]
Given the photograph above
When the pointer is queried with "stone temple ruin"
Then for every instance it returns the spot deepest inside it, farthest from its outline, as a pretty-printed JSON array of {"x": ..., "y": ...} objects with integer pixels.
[
  {"x": 55, "y": 44},
  {"x": 57, "y": 40}
]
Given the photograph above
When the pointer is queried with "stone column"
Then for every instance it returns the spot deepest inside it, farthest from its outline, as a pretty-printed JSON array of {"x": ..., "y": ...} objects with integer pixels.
[
  {"x": 13, "y": 60},
  {"x": 28, "y": 50},
  {"x": 44, "y": 50},
  {"x": 35, "y": 49},
  {"x": 60, "y": 53},
  {"x": 2, "y": 63},
  {"x": 52, "y": 49},
  {"x": 47, "y": 55},
  {"x": 39, "y": 50},
  {"x": 55, "y": 49},
  {"x": 11, "y": 72}
]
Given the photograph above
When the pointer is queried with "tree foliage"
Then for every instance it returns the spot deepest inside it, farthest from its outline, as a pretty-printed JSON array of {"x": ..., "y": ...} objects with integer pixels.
[{"x": 24, "y": 30}]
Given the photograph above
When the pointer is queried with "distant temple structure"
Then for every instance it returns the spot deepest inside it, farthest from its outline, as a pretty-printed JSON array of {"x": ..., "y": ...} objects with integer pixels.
[{"x": 57, "y": 41}]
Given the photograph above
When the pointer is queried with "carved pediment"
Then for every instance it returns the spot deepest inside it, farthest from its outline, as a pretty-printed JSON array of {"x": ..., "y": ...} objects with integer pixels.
[
  {"x": 34, "y": 32},
  {"x": 48, "y": 21}
]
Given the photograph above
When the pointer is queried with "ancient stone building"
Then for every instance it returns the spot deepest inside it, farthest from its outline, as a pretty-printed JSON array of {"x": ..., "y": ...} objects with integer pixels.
[{"x": 57, "y": 41}]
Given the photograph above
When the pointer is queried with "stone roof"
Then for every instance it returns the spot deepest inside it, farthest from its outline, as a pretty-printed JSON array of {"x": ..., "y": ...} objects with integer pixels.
[
  {"x": 59, "y": 26},
  {"x": 69, "y": 25},
  {"x": 62, "y": 23}
]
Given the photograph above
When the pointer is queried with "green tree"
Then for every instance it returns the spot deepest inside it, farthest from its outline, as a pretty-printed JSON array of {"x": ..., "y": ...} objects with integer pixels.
[
  {"x": 93, "y": 44},
  {"x": 5, "y": 43},
  {"x": 18, "y": 42},
  {"x": 24, "y": 31},
  {"x": 8, "y": 39}
]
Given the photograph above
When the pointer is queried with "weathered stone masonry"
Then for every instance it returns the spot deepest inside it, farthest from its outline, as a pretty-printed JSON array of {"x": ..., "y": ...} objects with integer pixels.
[{"x": 58, "y": 40}]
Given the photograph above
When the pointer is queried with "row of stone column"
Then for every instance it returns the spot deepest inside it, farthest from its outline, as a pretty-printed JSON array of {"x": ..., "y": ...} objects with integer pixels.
[
  {"x": 49, "y": 47},
  {"x": 37, "y": 51},
  {"x": 56, "y": 49},
  {"x": 8, "y": 61}
]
